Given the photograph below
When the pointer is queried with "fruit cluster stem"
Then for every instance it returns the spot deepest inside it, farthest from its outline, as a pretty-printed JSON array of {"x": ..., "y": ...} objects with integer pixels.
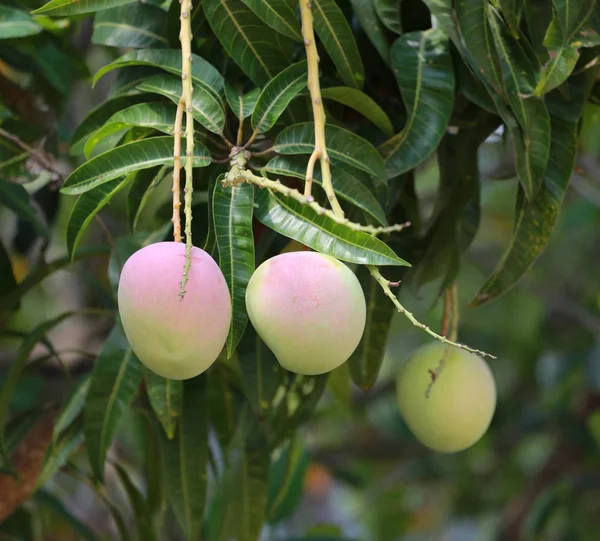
[
  {"x": 177, "y": 172},
  {"x": 185, "y": 37},
  {"x": 314, "y": 87}
]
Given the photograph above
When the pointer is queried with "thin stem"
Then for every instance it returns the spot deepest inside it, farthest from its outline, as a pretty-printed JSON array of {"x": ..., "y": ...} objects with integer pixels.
[
  {"x": 310, "y": 173},
  {"x": 455, "y": 314},
  {"x": 320, "y": 151},
  {"x": 177, "y": 172},
  {"x": 386, "y": 289},
  {"x": 221, "y": 135},
  {"x": 185, "y": 37},
  {"x": 240, "y": 133},
  {"x": 269, "y": 150},
  {"x": 447, "y": 312}
]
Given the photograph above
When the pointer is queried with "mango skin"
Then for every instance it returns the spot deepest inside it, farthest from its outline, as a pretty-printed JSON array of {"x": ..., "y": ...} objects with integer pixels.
[
  {"x": 461, "y": 402},
  {"x": 175, "y": 339},
  {"x": 309, "y": 309}
]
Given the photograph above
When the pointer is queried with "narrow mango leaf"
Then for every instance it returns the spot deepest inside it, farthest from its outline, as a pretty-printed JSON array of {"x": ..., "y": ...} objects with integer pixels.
[
  {"x": 71, "y": 408},
  {"x": 143, "y": 184},
  {"x": 279, "y": 15},
  {"x": 277, "y": 95},
  {"x": 68, "y": 7},
  {"x": 557, "y": 69},
  {"x": 165, "y": 397},
  {"x": 342, "y": 145},
  {"x": 15, "y": 197},
  {"x": 512, "y": 11},
  {"x": 185, "y": 459},
  {"x": 336, "y": 36},
  {"x": 51, "y": 502},
  {"x": 347, "y": 185},
  {"x": 262, "y": 373},
  {"x": 115, "y": 380},
  {"x": 210, "y": 244},
  {"x": 339, "y": 386},
  {"x": 366, "y": 360},
  {"x": 15, "y": 23},
  {"x": 126, "y": 159},
  {"x": 134, "y": 25},
  {"x": 538, "y": 16},
  {"x": 360, "y": 102},
  {"x": 242, "y": 34},
  {"x": 204, "y": 75},
  {"x": 242, "y": 106},
  {"x": 388, "y": 12},
  {"x": 535, "y": 219},
  {"x": 207, "y": 109},
  {"x": 224, "y": 402},
  {"x": 365, "y": 12},
  {"x": 300, "y": 222},
  {"x": 571, "y": 15},
  {"x": 423, "y": 68},
  {"x": 232, "y": 215},
  {"x": 157, "y": 116},
  {"x": 519, "y": 75},
  {"x": 60, "y": 451}
]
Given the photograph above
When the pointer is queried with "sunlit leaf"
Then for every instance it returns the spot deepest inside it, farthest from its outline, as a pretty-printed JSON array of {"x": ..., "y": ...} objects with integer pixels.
[
  {"x": 279, "y": 15},
  {"x": 69, "y": 7},
  {"x": 15, "y": 23}
]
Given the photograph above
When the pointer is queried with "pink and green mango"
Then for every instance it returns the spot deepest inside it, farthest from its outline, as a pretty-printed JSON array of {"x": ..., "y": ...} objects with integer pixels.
[
  {"x": 177, "y": 339},
  {"x": 309, "y": 309}
]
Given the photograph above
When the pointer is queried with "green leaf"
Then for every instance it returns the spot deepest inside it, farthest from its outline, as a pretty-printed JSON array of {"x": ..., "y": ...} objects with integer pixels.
[
  {"x": 71, "y": 408},
  {"x": 336, "y": 36},
  {"x": 248, "y": 41},
  {"x": 232, "y": 215},
  {"x": 87, "y": 206},
  {"x": 204, "y": 75},
  {"x": 126, "y": 159},
  {"x": 388, "y": 12},
  {"x": 115, "y": 380},
  {"x": 60, "y": 451},
  {"x": 157, "y": 116},
  {"x": 342, "y": 145},
  {"x": 423, "y": 68},
  {"x": 69, "y": 7},
  {"x": 57, "y": 507},
  {"x": 366, "y": 360},
  {"x": 207, "y": 109},
  {"x": 347, "y": 185},
  {"x": 142, "y": 186},
  {"x": 278, "y": 14},
  {"x": 535, "y": 219},
  {"x": 242, "y": 106},
  {"x": 8, "y": 282},
  {"x": 210, "y": 244},
  {"x": 300, "y": 222},
  {"x": 262, "y": 373},
  {"x": 277, "y": 95},
  {"x": 133, "y": 25},
  {"x": 15, "y": 197},
  {"x": 165, "y": 397},
  {"x": 339, "y": 386},
  {"x": 185, "y": 459},
  {"x": 571, "y": 15},
  {"x": 15, "y": 23},
  {"x": 360, "y": 102},
  {"x": 557, "y": 69},
  {"x": 519, "y": 78},
  {"x": 365, "y": 12},
  {"x": 512, "y": 11}
]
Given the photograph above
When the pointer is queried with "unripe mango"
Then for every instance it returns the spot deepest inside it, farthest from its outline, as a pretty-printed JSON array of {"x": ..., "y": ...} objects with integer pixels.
[
  {"x": 461, "y": 400},
  {"x": 309, "y": 309},
  {"x": 177, "y": 339}
]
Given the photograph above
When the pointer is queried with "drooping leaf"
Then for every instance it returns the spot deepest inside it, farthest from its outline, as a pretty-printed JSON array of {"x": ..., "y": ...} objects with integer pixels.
[
  {"x": 360, "y": 102},
  {"x": 300, "y": 222},
  {"x": 535, "y": 219},
  {"x": 71, "y": 408},
  {"x": 127, "y": 159},
  {"x": 278, "y": 14},
  {"x": 242, "y": 34},
  {"x": 423, "y": 68},
  {"x": 210, "y": 244},
  {"x": 242, "y": 106},
  {"x": 347, "y": 185},
  {"x": 277, "y": 95},
  {"x": 53, "y": 503},
  {"x": 342, "y": 145},
  {"x": 207, "y": 109},
  {"x": 365, "y": 12},
  {"x": 336, "y": 37},
  {"x": 571, "y": 15},
  {"x": 60, "y": 451},
  {"x": 15, "y": 197},
  {"x": 557, "y": 69},
  {"x": 512, "y": 11},
  {"x": 140, "y": 191},
  {"x": 115, "y": 380},
  {"x": 538, "y": 16},
  {"x": 388, "y": 12},
  {"x": 204, "y": 75},
  {"x": 15, "y": 23},
  {"x": 68, "y": 7},
  {"x": 366, "y": 360},
  {"x": 185, "y": 459},
  {"x": 134, "y": 25},
  {"x": 165, "y": 397},
  {"x": 232, "y": 215}
]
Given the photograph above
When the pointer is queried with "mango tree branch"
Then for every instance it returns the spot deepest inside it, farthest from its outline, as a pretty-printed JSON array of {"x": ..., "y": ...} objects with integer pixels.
[
  {"x": 185, "y": 37},
  {"x": 314, "y": 87},
  {"x": 177, "y": 172}
]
